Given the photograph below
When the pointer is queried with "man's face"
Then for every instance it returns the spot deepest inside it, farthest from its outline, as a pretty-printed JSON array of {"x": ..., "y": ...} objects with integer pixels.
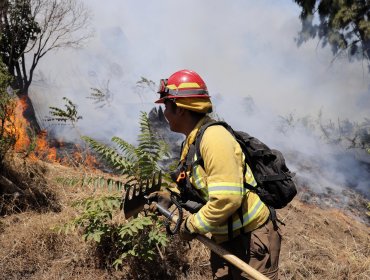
[{"x": 172, "y": 116}]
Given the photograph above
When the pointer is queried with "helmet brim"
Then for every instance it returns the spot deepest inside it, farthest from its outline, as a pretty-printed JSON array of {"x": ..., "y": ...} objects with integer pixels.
[{"x": 161, "y": 100}]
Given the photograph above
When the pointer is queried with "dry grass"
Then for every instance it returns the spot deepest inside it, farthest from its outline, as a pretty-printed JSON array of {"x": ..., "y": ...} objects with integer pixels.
[
  {"x": 323, "y": 244},
  {"x": 34, "y": 192},
  {"x": 318, "y": 244}
]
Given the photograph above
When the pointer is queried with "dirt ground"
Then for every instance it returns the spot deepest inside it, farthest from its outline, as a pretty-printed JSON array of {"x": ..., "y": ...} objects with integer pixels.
[{"x": 317, "y": 243}]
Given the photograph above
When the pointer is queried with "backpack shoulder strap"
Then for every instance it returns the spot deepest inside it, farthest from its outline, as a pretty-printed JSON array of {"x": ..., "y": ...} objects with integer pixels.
[
  {"x": 237, "y": 137},
  {"x": 199, "y": 137}
]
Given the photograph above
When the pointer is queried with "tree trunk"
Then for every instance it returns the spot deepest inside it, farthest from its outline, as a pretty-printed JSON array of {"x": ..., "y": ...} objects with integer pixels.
[{"x": 29, "y": 113}]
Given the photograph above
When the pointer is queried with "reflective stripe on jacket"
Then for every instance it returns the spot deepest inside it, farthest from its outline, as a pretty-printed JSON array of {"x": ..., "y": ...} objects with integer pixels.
[{"x": 221, "y": 183}]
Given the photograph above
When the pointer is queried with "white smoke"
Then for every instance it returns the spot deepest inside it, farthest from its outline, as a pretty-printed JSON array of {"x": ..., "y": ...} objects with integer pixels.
[{"x": 242, "y": 49}]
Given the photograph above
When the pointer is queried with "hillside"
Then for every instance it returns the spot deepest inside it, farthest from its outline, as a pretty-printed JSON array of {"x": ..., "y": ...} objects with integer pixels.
[{"x": 318, "y": 243}]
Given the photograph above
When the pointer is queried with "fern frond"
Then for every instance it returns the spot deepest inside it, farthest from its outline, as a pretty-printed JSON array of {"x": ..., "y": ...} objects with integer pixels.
[
  {"x": 126, "y": 148},
  {"x": 109, "y": 154},
  {"x": 149, "y": 143},
  {"x": 136, "y": 163}
]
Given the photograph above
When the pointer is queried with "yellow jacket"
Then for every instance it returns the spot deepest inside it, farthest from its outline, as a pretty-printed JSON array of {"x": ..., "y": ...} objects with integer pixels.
[{"x": 221, "y": 184}]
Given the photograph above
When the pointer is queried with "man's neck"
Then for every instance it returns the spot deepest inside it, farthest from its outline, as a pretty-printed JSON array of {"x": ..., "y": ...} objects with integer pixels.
[{"x": 190, "y": 124}]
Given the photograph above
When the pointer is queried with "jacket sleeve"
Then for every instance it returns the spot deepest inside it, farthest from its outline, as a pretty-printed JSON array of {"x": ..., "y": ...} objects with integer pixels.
[{"x": 223, "y": 165}]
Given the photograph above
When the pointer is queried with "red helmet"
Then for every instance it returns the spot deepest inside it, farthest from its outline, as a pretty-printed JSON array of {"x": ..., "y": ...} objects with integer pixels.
[{"x": 184, "y": 83}]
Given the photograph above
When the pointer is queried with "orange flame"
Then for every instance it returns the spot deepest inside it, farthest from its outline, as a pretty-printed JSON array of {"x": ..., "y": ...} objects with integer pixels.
[
  {"x": 39, "y": 148},
  {"x": 23, "y": 142},
  {"x": 84, "y": 158},
  {"x": 42, "y": 150}
]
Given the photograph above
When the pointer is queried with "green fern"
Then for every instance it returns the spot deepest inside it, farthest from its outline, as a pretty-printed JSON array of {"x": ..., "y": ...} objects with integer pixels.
[
  {"x": 110, "y": 155},
  {"x": 136, "y": 163}
]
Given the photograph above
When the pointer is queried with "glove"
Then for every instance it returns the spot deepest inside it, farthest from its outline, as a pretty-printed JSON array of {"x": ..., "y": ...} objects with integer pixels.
[
  {"x": 161, "y": 197},
  {"x": 192, "y": 206},
  {"x": 185, "y": 233}
]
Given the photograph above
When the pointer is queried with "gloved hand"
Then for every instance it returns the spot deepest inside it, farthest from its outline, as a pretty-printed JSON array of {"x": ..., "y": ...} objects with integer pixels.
[
  {"x": 161, "y": 197},
  {"x": 184, "y": 232}
]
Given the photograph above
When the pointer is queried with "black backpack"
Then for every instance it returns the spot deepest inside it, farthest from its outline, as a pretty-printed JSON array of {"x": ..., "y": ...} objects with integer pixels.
[{"x": 275, "y": 186}]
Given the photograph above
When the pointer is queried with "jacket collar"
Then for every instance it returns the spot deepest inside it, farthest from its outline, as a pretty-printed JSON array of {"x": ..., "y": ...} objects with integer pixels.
[{"x": 192, "y": 136}]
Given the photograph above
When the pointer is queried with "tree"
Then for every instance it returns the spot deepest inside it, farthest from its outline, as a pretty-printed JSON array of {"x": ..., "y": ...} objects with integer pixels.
[
  {"x": 343, "y": 24},
  {"x": 32, "y": 28},
  {"x": 7, "y": 127}
]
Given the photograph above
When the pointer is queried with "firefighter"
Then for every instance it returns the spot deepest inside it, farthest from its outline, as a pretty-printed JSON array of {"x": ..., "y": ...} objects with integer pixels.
[{"x": 237, "y": 219}]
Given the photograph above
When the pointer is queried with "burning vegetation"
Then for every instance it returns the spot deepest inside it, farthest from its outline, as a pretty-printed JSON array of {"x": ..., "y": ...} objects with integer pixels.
[{"x": 23, "y": 186}]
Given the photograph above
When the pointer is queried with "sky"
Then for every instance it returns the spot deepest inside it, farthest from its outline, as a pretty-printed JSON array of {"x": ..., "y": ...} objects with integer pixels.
[{"x": 242, "y": 49}]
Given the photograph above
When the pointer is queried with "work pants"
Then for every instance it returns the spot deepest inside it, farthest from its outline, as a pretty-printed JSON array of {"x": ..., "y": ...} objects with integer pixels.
[{"x": 259, "y": 248}]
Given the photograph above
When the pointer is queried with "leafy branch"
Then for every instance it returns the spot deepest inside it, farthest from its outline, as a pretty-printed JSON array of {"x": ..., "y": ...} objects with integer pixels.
[
  {"x": 70, "y": 114},
  {"x": 101, "y": 96}
]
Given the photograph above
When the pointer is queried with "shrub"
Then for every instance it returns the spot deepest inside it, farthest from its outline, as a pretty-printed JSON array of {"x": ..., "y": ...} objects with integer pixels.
[
  {"x": 101, "y": 221},
  {"x": 7, "y": 106}
]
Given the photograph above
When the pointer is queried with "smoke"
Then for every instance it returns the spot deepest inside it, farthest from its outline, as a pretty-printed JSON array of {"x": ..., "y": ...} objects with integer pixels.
[
  {"x": 315, "y": 149},
  {"x": 246, "y": 53}
]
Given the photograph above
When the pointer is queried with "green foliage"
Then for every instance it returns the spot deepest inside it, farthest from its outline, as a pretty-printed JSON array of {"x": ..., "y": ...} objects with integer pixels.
[
  {"x": 142, "y": 235},
  {"x": 350, "y": 134},
  {"x": 38, "y": 27},
  {"x": 101, "y": 221},
  {"x": 7, "y": 105},
  {"x": 136, "y": 162},
  {"x": 70, "y": 114},
  {"x": 144, "y": 83},
  {"x": 92, "y": 181},
  {"x": 101, "y": 96},
  {"x": 110, "y": 155},
  {"x": 19, "y": 27},
  {"x": 344, "y": 25}
]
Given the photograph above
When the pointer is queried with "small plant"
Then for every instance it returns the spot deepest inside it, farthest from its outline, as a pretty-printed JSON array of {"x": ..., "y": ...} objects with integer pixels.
[
  {"x": 101, "y": 221},
  {"x": 70, "y": 114},
  {"x": 101, "y": 96},
  {"x": 144, "y": 83}
]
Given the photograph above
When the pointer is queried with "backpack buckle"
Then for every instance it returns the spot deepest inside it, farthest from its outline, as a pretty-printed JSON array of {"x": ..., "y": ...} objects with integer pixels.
[{"x": 181, "y": 176}]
